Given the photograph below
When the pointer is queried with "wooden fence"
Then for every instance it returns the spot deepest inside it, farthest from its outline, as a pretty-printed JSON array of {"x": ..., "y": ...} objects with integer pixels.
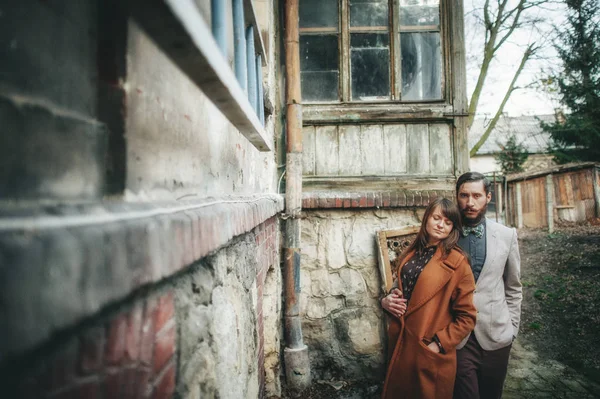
[{"x": 563, "y": 193}]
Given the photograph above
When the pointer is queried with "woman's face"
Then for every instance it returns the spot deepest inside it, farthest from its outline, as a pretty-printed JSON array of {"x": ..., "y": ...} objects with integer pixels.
[{"x": 438, "y": 227}]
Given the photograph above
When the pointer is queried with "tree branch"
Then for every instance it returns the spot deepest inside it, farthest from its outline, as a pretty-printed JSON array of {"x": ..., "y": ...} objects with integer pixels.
[{"x": 511, "y": 88}]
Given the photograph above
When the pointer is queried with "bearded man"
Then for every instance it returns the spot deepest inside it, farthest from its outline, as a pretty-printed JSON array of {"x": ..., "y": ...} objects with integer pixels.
[{"x": 482, "y": 358}]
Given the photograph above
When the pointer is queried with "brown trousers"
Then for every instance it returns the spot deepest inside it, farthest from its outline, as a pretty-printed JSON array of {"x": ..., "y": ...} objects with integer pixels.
[{"x": 480, "y": 374}]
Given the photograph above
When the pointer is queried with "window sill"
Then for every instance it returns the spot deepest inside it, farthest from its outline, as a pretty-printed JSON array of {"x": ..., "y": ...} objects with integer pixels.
[
  {"x": 179, "y": 29},
  {"x": 375, "y": 112}
]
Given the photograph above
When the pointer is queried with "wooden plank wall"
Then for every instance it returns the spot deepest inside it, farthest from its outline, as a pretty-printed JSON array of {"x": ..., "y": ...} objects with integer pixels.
[
  {"x": 377, "y": 150},
  {"x": 574, "y": 199},
  {"x": 533, "y": 194}
]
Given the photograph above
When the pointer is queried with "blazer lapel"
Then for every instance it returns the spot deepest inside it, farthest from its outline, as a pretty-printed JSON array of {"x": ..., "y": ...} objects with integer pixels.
[
  {"x": 433, "y": 278},
  {"x": 490, "y": 249}
]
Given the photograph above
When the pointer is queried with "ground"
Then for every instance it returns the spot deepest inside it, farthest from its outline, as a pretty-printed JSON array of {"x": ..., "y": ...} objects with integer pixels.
[
  {"x": 557, "y": 354},
  {"x": 561, "y": 308}
]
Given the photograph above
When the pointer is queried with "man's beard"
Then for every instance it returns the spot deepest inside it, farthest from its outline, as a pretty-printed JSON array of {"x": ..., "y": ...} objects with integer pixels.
[{"x": 473, "y": 222}]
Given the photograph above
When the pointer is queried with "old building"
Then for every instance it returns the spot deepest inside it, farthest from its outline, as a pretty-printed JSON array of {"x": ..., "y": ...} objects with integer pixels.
[
  {"x": 527, "y": 132},
  {"x": 146, "y": 150}
]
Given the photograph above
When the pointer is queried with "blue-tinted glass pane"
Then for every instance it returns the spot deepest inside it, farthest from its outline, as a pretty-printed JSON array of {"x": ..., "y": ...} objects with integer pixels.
[
  {"x": 370, "y": 66},
  {"x": 421, "y": 66},
  {"x": 369, "y": 13},
  {"x": 318, "y": 13},
  {"x": 319, "y": 67},
  {"x": 419, "y": 12}
]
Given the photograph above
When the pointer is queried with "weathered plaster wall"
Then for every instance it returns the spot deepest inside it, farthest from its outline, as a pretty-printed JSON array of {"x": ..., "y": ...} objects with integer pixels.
[
  {"x": 178, "y": 142},
  {"x": 343, "y": 322},
  {"x": 51, "y": 144}
]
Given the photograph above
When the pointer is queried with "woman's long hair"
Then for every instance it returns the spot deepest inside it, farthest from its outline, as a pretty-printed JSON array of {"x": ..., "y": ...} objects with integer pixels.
[{"x": 449, "y": 210}]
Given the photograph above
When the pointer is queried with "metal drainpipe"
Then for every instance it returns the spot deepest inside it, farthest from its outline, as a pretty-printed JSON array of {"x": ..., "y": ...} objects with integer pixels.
[{"x": 297, "y": 365}]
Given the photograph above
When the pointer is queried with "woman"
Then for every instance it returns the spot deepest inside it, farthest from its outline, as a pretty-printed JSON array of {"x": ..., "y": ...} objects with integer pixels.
[{"x": 431, "y": 308}]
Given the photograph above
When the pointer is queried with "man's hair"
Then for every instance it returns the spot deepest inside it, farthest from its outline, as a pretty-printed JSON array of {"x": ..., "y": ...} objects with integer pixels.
[{"x": 472, "y": 177}]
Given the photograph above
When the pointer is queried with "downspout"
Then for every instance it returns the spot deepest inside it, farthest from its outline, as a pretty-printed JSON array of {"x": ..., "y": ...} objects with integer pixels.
[{"x": 297, "y": 365}]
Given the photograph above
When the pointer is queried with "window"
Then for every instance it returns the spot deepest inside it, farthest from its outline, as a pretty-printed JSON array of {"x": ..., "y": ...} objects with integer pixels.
[{"x": 370, "y": 50}]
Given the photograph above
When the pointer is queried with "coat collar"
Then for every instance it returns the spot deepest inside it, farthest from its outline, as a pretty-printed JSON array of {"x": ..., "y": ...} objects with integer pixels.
[{"x": 433, "y": 278}]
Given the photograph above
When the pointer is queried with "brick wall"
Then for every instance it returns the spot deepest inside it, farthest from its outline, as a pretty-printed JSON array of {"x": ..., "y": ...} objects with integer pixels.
[
  {"x": 166, "y": 340},
  {"x": 129, "y": 354}
]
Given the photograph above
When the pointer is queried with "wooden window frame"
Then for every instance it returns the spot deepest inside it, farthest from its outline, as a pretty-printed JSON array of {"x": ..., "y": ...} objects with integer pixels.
[{"x": 344, "y": 30}]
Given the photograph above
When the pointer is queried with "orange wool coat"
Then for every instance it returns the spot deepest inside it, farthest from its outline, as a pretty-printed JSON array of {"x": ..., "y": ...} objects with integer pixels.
[{"x": 441, "y": 304}]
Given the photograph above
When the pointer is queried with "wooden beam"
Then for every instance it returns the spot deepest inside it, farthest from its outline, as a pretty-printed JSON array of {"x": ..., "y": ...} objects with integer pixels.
[
  {"x": 458, "y": 73},
  {"x": 519, "y": 206},
  {"x": 550, "y": 202},
  {"x": 596, "y": 185},
  {"x": 178, "y": 28}
]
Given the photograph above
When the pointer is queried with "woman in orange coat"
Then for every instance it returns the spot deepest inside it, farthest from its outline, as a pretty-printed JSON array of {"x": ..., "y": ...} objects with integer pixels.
[{"x": 431, "y": 308}]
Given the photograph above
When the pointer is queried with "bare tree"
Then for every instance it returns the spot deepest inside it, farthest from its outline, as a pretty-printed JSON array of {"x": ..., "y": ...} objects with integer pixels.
[{"x": 500, "y": 19}]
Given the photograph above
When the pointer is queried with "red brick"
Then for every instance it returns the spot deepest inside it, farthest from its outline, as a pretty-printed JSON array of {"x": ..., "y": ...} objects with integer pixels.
[
  {"x": 113, "y": 384},
  {"x": 164, "y": 348},
  {"x": 91, "y": 352},
  {"x": 131, "y": 387},
  {"x": 164, "y": 311},
  {"x": 165, "y": 385},
  {"x": 115, "y": 343},
  {"x": 347, "y": 203},
  {"x": 386, "y": 199},
  {"x": 142, "y": 383},
  {"x": 147, "y": 332},
  {"x": 378, "y": 199},
  {"x": 339, "y": 202},
  {"x": 362, "y": 202},
  {"x": 402, "y": 199},
  {"x": 370, "y": 199},
  {"x": 355, "y": 202},
  {"x": 134, "y": 329},
  {"x": 393, "y": 199}
]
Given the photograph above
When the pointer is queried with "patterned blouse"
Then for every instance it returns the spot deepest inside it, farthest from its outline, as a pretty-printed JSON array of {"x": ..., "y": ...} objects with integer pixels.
[{"x": 412, "y": 270}]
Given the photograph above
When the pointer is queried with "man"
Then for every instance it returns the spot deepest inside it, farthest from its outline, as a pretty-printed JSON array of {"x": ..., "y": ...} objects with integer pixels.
[{"x": 482, "y": 358}]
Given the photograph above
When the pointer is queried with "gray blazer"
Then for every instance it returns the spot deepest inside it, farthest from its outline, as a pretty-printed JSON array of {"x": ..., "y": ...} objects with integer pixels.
[{"x": 498, "y": 291}]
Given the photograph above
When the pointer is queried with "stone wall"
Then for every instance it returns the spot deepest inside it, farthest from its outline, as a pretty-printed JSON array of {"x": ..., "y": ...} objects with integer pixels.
[
  {"x": 343, "y": 322},
  {"x": 198, "y": 334}
]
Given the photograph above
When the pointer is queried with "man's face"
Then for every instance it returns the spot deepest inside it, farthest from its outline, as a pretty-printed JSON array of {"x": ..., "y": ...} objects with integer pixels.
[{"x": 472, "y": 201}]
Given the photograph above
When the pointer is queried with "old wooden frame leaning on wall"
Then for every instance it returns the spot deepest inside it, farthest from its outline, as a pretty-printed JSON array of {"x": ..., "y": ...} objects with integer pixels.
[{"x": 390, "y": 244}]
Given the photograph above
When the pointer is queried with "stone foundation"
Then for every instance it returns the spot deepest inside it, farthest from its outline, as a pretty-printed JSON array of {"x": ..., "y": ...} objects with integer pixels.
[{"x": 343, "y": 322}]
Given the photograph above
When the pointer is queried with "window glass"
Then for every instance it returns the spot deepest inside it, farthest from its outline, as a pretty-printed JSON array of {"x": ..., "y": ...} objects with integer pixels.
[
  {"x": 370, "y": 66},
  {"x": 319, "y": 66},
  {"x": 419, "y": 12},
  {"x": 421, "y": 66},
  {"x": 368, "y": 13},
  {"x": 318, "y": 13}
]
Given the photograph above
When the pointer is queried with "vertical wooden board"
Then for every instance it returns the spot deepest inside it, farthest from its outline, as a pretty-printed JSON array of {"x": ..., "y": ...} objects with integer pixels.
[
  {"x": 326, "y": 150},
  {"x": 395, "y": 154},
  {"x": 308, "y": 150},
  {"x": 418, "y": 148},
  {"x": 371, "y": 149},
  {"x": 558, "y": 189},
  {"x": 440, "y": 149},
  {"x": 350, "y": 161},
  {"x": 586, "y": 184}
]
